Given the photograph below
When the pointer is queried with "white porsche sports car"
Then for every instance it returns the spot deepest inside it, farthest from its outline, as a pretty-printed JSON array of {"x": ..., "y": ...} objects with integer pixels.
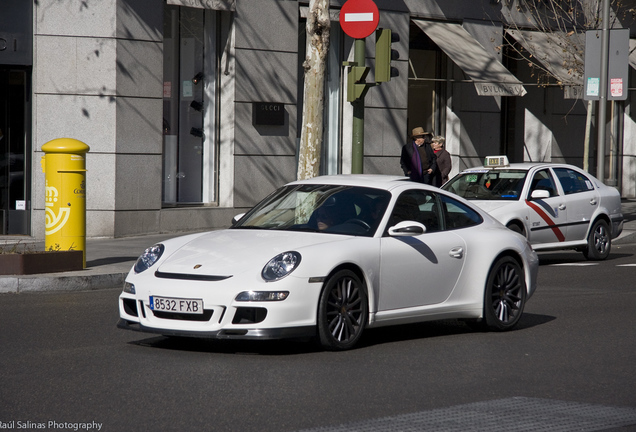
[
  {"x": 556, "y": 206},
  {"x": 329, "y": 257}
]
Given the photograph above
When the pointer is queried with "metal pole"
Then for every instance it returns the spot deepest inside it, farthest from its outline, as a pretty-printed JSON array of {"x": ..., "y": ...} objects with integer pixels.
[
  {"x": 618, "y": 111},
  {"x": 602, "y": 101},
  {"x": 357, "y": 157},
  {"x": 611, "y": 176},
  {"x": 588, "y": 128}
]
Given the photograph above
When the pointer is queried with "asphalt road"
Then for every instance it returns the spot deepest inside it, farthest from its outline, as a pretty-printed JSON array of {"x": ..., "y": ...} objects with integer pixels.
[{"x": 63, "y": 360}]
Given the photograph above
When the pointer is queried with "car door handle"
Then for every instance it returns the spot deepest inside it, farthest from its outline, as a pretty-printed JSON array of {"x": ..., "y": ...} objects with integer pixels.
[
  {"x": 457, "y": 252},
  {"x": 562, "y": 207},
  {"x": 593, "y": 201}
]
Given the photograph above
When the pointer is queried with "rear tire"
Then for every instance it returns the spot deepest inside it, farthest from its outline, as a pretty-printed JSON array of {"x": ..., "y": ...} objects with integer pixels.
[
  {"x": 599, "y": 242},
  {"x": 342, "y": 311},
  {"x": 505, "y": 295}
]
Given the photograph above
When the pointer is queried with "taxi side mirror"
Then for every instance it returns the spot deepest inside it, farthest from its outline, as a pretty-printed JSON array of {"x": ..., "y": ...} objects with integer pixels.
[{"x": 540, "y": 194}]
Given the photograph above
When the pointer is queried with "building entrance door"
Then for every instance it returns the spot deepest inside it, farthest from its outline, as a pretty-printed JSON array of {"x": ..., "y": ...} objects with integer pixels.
[{"x": 15, "y": 151}]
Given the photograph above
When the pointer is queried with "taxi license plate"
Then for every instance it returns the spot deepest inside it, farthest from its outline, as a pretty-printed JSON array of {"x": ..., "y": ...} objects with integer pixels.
[{"x": 179, "y": 305}]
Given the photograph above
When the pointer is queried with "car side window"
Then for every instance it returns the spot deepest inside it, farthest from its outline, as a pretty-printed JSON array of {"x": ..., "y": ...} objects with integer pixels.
[
  {"x": 542, "y": 180},
  {"x": 573, "y": 181},
  {"x": 458, "y": 215},
  {"x": 419, "y": 206}
]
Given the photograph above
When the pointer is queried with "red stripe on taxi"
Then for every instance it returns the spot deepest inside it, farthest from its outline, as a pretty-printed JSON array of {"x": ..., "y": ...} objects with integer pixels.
[{"x": 546, "y": 218}]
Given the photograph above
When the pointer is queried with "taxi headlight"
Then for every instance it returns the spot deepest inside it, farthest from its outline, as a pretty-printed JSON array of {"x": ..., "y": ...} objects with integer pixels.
[
  {"x": 148, "y": 258},
  {"x": 280, "y": 266}
]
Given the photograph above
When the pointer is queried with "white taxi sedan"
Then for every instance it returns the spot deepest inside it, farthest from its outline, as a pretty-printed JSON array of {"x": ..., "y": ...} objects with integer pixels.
[{"x": 556, "y": 206}]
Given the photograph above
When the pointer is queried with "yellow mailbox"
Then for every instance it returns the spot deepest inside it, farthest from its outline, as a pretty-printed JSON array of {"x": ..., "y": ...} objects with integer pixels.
[{"x": 64, "y": 166}]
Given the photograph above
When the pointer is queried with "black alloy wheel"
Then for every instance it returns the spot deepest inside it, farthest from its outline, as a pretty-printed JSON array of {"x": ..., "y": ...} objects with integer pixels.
[
  {"x": 505, "y": 295},
  {"x": 599, "y": 242},
  {"x": 342, "y": 311}
]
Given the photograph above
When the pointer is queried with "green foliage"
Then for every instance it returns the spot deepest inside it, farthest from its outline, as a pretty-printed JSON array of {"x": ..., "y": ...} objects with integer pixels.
[
  {"x": 57, "y": 248},
  {"x": 17, "y": 248},
  {"x": 30, "y": 248}
]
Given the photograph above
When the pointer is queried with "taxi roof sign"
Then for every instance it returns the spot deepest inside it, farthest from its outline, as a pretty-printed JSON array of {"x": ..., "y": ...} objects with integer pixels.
[{"x": 496, "y": 161}]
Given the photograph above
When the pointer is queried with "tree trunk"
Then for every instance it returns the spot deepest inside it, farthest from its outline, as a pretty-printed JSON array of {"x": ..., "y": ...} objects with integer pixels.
[{"x": 318, "y": 26}]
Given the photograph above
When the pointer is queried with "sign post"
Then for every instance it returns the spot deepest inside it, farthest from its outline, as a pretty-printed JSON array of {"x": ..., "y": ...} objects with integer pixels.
[
  {"x": 606, "y": 79},
  {"x": 358, "y": 19},
  {"x": 617, "y": 64}
]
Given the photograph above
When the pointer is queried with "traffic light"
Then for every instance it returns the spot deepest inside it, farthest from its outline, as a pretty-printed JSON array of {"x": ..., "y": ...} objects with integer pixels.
[
  {"x": 356, "y": 87},
  {"x": 384, "y": 54}
]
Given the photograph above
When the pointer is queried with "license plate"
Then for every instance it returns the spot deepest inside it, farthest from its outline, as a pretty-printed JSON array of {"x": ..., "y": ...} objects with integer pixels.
[{"x": 179, "y": 305}]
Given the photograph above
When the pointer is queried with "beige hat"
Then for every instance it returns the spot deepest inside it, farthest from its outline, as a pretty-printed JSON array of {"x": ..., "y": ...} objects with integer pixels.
[{"x": 418, "y": 131}]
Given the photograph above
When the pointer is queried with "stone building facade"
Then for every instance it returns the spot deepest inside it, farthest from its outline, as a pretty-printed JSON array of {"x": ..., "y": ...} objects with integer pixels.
[{"x": 192, "y": 108}]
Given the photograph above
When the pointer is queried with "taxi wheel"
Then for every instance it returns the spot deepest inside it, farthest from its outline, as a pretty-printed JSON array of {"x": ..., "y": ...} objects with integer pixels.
[
  {"x": 599, "y": 242},
  {"x": 342, "y": 311},
  {"x": 505, "y": 295},
  {"x": 517, "y": 227}
]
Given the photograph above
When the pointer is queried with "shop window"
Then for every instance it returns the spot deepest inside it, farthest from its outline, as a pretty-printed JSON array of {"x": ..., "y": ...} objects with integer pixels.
[
  {"x": 426, "y": 104},
  {"x": 189, "y": 102},
  {"x": 15, "y": 150}
]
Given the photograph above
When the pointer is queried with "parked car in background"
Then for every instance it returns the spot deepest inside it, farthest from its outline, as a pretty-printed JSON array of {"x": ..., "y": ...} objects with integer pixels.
[
  {"x": 556, "y": 206},
  {"x": 329, "y": 257}
]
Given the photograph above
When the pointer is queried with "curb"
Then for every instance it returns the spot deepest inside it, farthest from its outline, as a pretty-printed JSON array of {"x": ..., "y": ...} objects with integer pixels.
[
  {"x": 626, "y": 237},
  {"x": 23, "y": 284}
]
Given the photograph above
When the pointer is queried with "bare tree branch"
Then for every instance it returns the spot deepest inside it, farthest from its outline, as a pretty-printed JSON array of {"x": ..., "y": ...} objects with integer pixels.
[{"x": 559, "y": 56}]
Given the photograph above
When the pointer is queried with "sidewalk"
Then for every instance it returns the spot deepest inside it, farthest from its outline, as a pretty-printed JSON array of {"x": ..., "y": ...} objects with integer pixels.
[{"x": 109, "y": 260}]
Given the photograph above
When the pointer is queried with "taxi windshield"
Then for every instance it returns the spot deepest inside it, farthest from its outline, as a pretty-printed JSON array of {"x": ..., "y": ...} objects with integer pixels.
[{"x": 505, "y": 184}]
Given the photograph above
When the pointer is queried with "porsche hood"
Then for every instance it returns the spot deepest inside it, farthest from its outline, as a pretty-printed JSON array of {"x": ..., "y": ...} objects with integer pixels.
[{"x": 230, "y": 252}]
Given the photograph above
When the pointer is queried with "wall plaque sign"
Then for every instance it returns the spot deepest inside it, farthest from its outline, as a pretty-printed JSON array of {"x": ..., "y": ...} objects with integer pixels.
[{"x": 268, "y": 114}]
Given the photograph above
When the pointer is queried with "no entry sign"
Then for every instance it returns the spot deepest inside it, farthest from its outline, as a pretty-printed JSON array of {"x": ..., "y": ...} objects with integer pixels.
[{"x": 359, "y": 18}]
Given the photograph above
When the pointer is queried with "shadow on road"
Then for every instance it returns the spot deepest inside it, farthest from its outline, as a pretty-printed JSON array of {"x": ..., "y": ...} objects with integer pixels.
[
  {"x": 565, "y": 257},
  {"x": 274, "y": 347},
  {"x": 107, "y": 261},
  {"x": 371, "y": 337}
]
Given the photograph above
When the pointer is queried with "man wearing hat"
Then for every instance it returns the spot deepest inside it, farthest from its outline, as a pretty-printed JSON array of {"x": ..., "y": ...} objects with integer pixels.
[{"x": 418, "y": 161}]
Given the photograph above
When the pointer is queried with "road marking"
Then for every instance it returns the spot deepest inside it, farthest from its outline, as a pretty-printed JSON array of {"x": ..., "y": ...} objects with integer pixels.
[
  {"x": 523, "y": 414},
  {"x": 357, "y": 17},
  {"x": 575, "y": 264},
  {"x": 625, "y": 265}
]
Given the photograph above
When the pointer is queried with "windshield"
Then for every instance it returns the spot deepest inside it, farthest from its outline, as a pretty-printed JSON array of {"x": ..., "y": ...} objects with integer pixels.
[
  {"x": 488, "y": 184},
  {"x": 319, "y": 208}
]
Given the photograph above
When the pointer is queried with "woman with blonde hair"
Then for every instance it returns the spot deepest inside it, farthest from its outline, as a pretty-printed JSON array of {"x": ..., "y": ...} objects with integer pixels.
[{"x": 444, "y": 164}]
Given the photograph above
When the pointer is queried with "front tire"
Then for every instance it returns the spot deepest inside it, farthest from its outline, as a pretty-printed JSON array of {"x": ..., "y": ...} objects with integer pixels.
[
  {"x": 342, "y": 311},
  {"x": 599, "y": 242},
  {"x": 505, "y": 295},
  {"x": 518, "y": 228}
]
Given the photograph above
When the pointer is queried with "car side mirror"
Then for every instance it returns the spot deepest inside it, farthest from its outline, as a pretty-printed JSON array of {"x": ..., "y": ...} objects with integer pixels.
[
  {"x": 540, "y": 194},
  {"x": 407, "y": 229},
  {"x": 236, "y": 218}
]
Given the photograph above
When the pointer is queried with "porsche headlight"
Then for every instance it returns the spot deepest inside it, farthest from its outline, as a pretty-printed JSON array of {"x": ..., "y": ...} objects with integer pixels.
[
  {"x": 262, "y": 296},
  {"x": 148, "y": 258},
  {"x": 280, "y": 266}
]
